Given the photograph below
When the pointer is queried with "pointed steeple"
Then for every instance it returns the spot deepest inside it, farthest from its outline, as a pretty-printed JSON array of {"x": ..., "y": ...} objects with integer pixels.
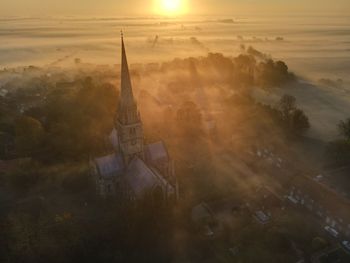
[
  {"x": 126, "y": 87},
  {"x": 128, "y": 121},
  {"x": 127, "y": 112}
]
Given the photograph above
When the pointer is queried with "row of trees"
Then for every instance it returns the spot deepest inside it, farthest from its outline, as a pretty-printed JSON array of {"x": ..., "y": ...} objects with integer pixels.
[
  {"x": 288, "y": 116},
  {"x": 248, "y": 69}
]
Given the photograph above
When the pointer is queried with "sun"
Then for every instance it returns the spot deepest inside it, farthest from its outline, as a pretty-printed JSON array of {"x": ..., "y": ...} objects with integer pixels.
[{"x": 171, "y": 7}]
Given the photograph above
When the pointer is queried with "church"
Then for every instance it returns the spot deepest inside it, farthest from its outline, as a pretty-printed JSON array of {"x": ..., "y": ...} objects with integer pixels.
[{"x": 133, "y": 171}]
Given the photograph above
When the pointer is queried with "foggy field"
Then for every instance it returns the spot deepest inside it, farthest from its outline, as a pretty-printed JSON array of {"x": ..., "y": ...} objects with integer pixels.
[
  {"x": 312, "y": 45},
  {"x": 314, "y": 48}
]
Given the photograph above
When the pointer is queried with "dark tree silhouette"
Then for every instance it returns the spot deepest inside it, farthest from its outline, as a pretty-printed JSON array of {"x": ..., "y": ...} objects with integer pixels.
[
  {"x": 287, "y": 104},
  {"x": 293, "y": 119},
  {"x": 344, "y": 128},
  {"x": 299, "y": 122}
]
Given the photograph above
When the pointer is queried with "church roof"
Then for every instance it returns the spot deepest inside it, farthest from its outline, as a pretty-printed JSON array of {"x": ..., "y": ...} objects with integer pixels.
[
  {"x": 140, "y": 177},
  {"x": 157, "y": 152},
  {"x": 110, "y": 165}
]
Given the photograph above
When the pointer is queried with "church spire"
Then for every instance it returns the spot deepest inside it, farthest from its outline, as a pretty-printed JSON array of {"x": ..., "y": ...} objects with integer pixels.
[
  {"x": 127, "y": 105},
  {"x": 128, "y": 122},
  {"x": 127, "y": 96}
]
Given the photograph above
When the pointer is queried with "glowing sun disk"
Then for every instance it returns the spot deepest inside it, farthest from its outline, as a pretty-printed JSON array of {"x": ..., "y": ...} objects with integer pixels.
[{"x": 171, "y": 6}]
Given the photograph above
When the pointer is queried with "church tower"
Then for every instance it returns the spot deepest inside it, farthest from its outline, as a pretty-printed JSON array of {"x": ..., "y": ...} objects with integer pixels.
[{"x": 128, "y": 121}]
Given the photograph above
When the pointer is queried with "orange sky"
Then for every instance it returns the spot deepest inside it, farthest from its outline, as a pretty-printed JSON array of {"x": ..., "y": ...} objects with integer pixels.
[{"x": 195, "y": 7}]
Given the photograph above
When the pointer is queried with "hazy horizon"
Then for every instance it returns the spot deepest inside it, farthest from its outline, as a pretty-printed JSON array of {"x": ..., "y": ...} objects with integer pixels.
[{"x": 189, "y": 7}]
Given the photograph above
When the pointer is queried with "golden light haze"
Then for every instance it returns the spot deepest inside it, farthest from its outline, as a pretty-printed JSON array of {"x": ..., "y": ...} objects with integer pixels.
[{"x": 172, "y": 7}]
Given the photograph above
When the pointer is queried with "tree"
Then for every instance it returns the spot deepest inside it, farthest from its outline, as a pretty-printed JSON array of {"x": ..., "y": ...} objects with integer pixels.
[
  {"x": 339, "y": 152},
  {"x": 29, "y": 135},
  {"x": 244, "y": 70},
  {"x": 78, "y": 120},
  {"x": 189, "y": 119},
  {"x": 245, "y": 63},
  {"x": 344, "y": 128},
  {"x": 287, "y": 105},
  {"x": 255, "y": 53},
  {"x": 281, "y": 67},
  {"x": 274, "y": 74},
  {"x": 24, "y": 177},
  {"x": 293, "y": 119},
  {"x": 299, "y": 122}
]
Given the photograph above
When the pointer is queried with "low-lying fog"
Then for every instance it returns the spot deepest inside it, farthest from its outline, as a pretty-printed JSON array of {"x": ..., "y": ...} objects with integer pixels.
[{"x": 317, "y": 49}]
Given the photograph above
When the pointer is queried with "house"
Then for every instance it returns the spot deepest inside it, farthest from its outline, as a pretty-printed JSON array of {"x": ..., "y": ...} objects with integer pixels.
[{"x": 318, "y": 199}]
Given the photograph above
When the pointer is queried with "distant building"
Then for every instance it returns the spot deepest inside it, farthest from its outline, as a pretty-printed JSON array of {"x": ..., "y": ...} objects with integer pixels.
[
  {"x": 262, "y": 217},
  {"x": 134, "y": 171},
  {"x": 325, "y": 203}
]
